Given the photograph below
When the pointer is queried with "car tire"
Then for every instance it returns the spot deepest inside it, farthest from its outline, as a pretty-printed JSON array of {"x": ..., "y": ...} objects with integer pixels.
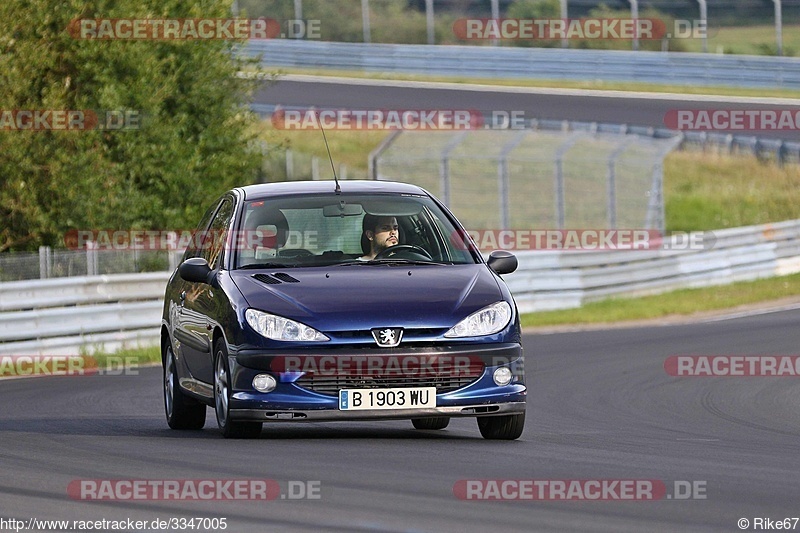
[
  {"x": 433, "y": 422},
  {"x": 182, "y": 411},
  {"x": 506, "y": 427},
  {"x": 231, "y": 429}
]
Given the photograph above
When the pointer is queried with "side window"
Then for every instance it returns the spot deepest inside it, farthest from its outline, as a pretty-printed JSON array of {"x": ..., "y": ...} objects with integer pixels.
[
  {"x": 452, "y": 247},
  {"x": 218, "y": 232},
  {"x": 195, "y": 248}
]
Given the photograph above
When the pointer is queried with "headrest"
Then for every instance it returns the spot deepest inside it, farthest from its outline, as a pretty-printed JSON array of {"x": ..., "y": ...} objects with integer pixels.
[{"x": 276, "y": 232}]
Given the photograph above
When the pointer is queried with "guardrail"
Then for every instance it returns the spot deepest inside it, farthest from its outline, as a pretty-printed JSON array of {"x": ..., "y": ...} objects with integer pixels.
[
  {"x": 549, "y": 280},
  {"x": 67, "y": 316},
  {"x": 676, "y": 68}
]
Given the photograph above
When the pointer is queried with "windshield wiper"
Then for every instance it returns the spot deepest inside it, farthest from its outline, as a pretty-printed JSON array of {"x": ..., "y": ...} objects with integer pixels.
[{"x": 396, "y": 262}]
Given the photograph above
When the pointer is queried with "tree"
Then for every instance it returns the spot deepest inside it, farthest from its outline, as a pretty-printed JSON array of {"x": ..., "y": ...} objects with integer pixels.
[
  {"x": 192, "y": 142},
  {"x": 536, "y": 9}
]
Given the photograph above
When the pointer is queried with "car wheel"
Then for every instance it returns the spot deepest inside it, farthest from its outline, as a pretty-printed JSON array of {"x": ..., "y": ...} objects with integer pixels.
[
  {"x": 182, "y": 412},
  {"x": 506, "y": 427},
  {"x": 434, "y": 422},
  {"x": 222, "y": 395}
]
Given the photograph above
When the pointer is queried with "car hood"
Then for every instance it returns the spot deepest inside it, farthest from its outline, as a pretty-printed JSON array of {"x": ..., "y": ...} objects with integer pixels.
[{"x": 363, "y": 297}]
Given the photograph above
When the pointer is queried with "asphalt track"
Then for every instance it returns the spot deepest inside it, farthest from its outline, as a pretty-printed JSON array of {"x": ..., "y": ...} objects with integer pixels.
[
  {"x": 600, "y": 406},
  {"x": 553, "y": 104}
]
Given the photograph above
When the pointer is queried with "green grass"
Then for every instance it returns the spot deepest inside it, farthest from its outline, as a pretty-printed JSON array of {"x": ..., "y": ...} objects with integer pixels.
[
  {"x": 705, "y": 191},
  {"x": 754, "y": 40},
  {"x": 677, "y": 303},
  {"x": 556, "y": 84},
  {"x": 129, "y": 357},
  {"x": 349, "y": 148}
]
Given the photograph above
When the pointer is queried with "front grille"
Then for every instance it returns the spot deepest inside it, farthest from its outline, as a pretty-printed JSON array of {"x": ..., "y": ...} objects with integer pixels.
[
  {"x": 409, "y": 334},
  {"x": 443, "y": 381}
]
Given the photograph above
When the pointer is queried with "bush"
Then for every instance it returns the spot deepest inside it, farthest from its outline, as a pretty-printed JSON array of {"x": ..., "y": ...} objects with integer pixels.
[{"x": 192, "y": 143}]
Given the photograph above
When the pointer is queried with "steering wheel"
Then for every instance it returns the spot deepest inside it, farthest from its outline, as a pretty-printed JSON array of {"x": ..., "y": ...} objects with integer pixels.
[{"x": 387, "y": 253}]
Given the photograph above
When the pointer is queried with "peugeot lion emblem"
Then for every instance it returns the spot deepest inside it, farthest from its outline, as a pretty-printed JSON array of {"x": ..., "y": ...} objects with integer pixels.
[{"x": 387, "y": 337}]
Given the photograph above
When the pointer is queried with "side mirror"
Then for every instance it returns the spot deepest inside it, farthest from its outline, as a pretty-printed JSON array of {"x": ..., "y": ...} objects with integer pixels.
[
  {"x": 195, "y": 270},
  {"x": 502, "y": 262}
]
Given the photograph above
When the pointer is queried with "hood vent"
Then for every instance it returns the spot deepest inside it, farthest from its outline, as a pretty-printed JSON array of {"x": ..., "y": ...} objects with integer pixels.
[
  {"x": 286, "y": 277},
  {"x": 265, "y": 278},
  {"x": 276, "y": 279}
]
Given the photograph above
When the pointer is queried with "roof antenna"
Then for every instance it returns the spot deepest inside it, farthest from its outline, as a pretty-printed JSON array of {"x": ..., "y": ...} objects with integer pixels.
[{"x": 337, "y": 190}]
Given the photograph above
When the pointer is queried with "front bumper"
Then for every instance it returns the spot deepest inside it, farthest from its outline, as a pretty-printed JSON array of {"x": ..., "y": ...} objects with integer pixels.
[
  {"x": 265, "y": 415},
  {"x": 291, "y": 402}
]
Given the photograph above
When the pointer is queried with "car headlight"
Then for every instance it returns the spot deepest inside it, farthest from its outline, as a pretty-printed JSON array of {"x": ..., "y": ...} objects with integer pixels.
[
  {"x": 281, "y": 329},
  {"x": 486, "y": 321}
]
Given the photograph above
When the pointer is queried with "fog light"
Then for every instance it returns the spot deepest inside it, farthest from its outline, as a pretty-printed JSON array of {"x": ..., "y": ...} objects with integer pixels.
[
  {"x": 265, "y": 383},
  {"x": 502, "y": 376}
]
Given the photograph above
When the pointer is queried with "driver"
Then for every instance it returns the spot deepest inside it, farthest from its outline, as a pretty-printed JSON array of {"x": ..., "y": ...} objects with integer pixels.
[{"x": 380, "y": 233}]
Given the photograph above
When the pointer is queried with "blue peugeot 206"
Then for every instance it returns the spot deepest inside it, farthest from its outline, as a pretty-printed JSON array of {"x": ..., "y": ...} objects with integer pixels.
[{"x": 302, "y": 301}]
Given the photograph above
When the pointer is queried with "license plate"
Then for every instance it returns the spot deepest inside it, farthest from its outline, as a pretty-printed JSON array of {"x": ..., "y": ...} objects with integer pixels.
[{"x": 354, "y": 399}]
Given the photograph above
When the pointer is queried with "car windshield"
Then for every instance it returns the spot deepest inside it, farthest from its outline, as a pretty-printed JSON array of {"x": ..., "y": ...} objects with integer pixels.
[{"x": 348, "y": 230}]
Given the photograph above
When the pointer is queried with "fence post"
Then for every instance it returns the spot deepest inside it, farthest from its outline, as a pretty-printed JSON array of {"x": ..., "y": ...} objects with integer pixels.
[
  {"x": 365, "y": 20},
  {"x": 44, "y": 262},
  {"x": 91, "y": 259},
  {"x": 655, "y": 207},
  {"x": 611, "y": 187},
  {"x": 298, "y": 15},
  {"x": 704, "y": 19},
  {"x": 429, "y": 21},
  {"x": 495, "y": 15},
  {"x": 289, "y": 165},
  {"x": 561, "y": 215},
  {"x": 372, "y": 160},
  {"x": 172, "y": 250},
  {"x": 779, "y": 26},
  {"x": 502, "y": 182},
  {"x": 503, "y": 179},
  {"x": 314, "y": 168},
  {"x": 264, "y": 168},
  {"x": 444, "y": 166},
  {"x": 634, "y": 16},
  {"x": 611, "y": 183}
]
